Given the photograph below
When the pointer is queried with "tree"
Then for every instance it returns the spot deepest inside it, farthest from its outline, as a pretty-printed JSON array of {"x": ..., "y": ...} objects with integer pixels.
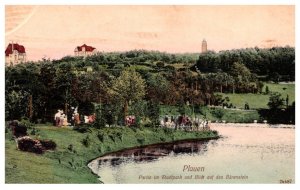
[
  {"x": 267, "y": 90},
  {"x": 49, "y": 92},
  {"x": 240, "y": 72},
  {"x": 24, "y": 79},
  {"x": 247, "y": 106},
  {"x": 63, "y": 83},
  {"x": 275, "y": 77},
  {"x": 157, "y": 88},
  {"x": 287, "y": 100},
  {"x": 128, "y": 87},
  {"x": 275, "y": 101},
  {"x": 222, "y": 79},
  {"x": 153, "y": 113},
  {"x": 259, "y": 86},
  {"x": 99, "y": 86},
  {"x": 15, "y": 104},
  {"x": 139, "y": 110}
]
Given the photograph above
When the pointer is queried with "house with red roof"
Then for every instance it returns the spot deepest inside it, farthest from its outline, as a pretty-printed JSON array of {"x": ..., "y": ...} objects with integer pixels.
[
  {"x": 84, "y": 50},
  {"x": 15, "y": 54}
]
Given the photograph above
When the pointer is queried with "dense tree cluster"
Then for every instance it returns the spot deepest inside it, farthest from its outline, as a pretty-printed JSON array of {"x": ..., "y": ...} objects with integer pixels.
[
  {"x": 37, "y": 90},
  {"x": 276, "y": 64},
  {"x": 133, "y": 82}
]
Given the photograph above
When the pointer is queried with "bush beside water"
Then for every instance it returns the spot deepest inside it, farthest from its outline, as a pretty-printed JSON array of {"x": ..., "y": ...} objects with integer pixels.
[{"x": 28, "y": 144}]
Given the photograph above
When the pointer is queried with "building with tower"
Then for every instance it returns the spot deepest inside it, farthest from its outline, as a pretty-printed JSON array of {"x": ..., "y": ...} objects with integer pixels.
[
  {"x": 204, "y": 46},
  {"x": 14, "y": 54}
]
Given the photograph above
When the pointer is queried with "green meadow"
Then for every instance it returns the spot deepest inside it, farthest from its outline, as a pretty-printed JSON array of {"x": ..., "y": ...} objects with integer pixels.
[{"x": 257, "y": 101}]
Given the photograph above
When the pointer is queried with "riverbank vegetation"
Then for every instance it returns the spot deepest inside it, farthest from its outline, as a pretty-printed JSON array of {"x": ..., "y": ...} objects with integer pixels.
[{"x": 68, "y": 162}]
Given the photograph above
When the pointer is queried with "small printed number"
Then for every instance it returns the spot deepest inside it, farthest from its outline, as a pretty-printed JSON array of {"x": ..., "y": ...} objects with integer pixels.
[{"x": 285, "y": 181}]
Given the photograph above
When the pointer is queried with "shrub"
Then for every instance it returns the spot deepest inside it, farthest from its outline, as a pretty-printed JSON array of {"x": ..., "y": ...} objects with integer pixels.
[
  {"x": 267, "y": 91},
  {"x": 134, "y": 129},
  {"x": 112, "y": 137},
  {"x": 147, "y": 125},
  {"x": 100, "y": 137},
  {"x": 120, "y": 136},
  {"x": 30, "y": 145},
  {"x": 160, "y": 64},
  {"x": 70, "y": 147},
  {"x": 218, "y": 113},
  {"x": 25, "y": 122},
  {"x": 83, "y": 128},
  {"x": 34, "y": 131},
  {"x": 48, "y": 144},
  {"x": 168, "y": 131},
  {"x": 18, "y": 129},
  {"x": 108, "y": 148},
  {"x": 141, "y": 140},
  {"x": 86, "y": 141},
  {"x": 163, "y": 139},
  {"x": 275, "y": 101},
  {"x": 215, "y": 132}
]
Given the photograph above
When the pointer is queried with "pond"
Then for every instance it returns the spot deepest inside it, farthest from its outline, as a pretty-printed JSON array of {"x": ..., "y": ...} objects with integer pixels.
[{"x": 242, "y": 155}]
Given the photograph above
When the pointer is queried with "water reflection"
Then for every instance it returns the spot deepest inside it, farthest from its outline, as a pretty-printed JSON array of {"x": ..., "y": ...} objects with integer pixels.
[{"x": 153, "y": 152}]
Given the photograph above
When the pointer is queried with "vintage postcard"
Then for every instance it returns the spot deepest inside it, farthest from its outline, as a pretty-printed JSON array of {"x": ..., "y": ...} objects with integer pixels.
[{"x": 150, "y": 94}]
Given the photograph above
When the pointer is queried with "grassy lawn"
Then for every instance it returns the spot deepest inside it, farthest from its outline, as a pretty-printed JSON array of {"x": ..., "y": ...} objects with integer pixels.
[
  {"x": 214, "y": 113},
  {"x": 283, "y": 89},
  {"x": 65, "y": 165},
  {"x": 257, "y": 101}
]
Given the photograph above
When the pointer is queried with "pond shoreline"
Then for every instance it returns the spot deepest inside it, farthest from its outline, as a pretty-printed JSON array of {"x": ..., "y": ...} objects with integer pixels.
[
  {"x": 160, "y": 143},
  {"x": 187, "y": 139},
  {"x": 206, "y": 139},
  {"x": 239, "y": 149}
]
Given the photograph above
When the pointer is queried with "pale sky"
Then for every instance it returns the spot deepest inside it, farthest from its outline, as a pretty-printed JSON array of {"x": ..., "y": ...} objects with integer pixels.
[{"x": 55, "y": 31}]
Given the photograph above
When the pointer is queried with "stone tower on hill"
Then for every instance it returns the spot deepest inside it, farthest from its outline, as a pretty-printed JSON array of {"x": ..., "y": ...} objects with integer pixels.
[{"x": 204, "y": 46}]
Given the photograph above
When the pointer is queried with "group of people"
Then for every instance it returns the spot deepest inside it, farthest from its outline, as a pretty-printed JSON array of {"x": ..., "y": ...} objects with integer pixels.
[
  {"x": 72, "y": 118},
  {"x": 185, "y": 123},
  {"x": 60, "y": 119},
  {"x": 180, "y": 122},
  {"x": 130, "y": 120}
]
